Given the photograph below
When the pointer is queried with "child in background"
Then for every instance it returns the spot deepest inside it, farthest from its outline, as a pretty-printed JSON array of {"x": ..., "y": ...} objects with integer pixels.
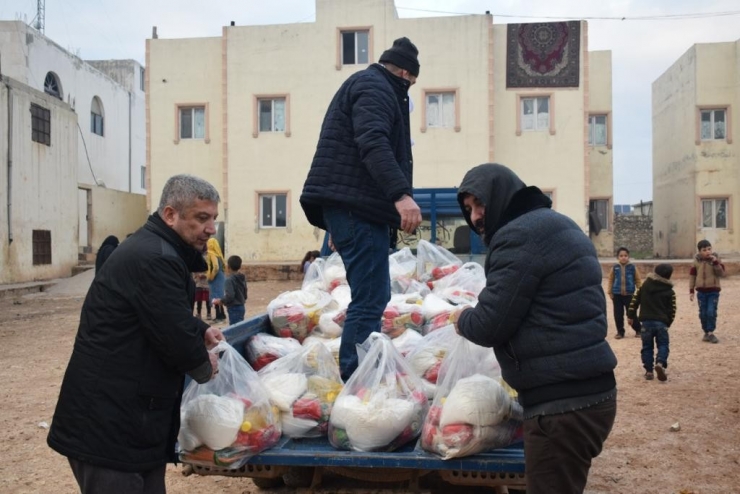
[
  {"x": 202, "y": 294},
  {"x": 657, "y": 303},
  {"x": 235, "y": 291},
  {"x": 704, "y": 279},
  {"x": 624, "y": 279},
  {"x": 310, "y": 257}
]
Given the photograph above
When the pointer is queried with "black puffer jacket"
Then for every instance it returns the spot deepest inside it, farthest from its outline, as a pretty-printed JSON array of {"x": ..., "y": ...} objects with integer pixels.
[
  {"x": 655, "y": 299},
  {"x": 363, "y": 158},
  {"x": 543, "y": 308},
  {"x": 119, "y": 405}
]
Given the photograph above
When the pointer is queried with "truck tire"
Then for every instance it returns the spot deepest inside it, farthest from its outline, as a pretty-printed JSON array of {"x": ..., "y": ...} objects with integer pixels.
[
  {"x": 267, "y": 483},
  {"x": 298, "y": 477}
]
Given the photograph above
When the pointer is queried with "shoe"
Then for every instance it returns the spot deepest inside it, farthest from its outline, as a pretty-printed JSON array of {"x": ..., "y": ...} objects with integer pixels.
[
  {"x": 660, "y": 371},
  {"x": 711, "y": 338},
  {"x": 648, "y": 376},
  {"x": 706, "y": 337},
  {"x": 208, "y": 317},
  {"x": 618, "y": 336}
]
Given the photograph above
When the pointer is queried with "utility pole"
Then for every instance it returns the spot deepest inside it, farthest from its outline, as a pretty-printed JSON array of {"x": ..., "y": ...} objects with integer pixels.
[{"x": 40, "y": 16}]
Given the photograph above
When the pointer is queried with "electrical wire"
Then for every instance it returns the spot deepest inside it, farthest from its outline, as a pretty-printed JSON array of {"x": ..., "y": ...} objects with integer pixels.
[
  {"x": 697, "y": 15},
  {"x": 84, "y": 144}
]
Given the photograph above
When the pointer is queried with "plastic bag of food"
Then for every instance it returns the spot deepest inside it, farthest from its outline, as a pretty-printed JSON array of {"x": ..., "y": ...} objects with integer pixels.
[
  {"x": 402, "y": 264},
  {"x": 402, "y": 312},
  {"x": 332, "y": 344},
  {"x": 296, "y": 314},
  {"x": 407, "y": 341},
  {"x": 437, "y": 313},
  {"x": 314, "y": 278},
  {"x": 434, "y": 262},
  {"x": 463, "y": 286},
  {"x": 471, "y": 412},
  {"x": 382, "y": 406},
  {"x": 303, "y": 386},
  {"x": 427, "y": 357},
  {"x": 227, "y": 420},
  {"x": 263, "y": 348},
  {"x": 331, "y": 322},
  {"x": 334, "y": 272}
]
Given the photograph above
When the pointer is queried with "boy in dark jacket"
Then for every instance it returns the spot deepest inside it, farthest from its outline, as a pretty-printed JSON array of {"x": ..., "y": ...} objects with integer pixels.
[
  {"x": 624, "y": 279},
  {"x": 543, "y": 311},
  {"x": 235, "y": 291},
  {"x": 704, "y": 279},
  {"x": 657, "y": 303}
]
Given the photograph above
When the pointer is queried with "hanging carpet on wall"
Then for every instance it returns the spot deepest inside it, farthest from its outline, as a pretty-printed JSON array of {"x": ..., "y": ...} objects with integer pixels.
[{"x": 543, "y": 54}]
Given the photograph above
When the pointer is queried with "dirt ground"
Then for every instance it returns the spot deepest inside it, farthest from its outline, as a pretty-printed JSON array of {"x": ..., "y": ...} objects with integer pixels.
[{"x": 642, "y": 455}]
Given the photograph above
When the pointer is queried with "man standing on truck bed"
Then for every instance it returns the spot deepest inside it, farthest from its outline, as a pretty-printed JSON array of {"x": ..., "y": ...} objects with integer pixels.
[
  {"x": 544, "y": 313},
  {"x": 118, "y": 412},
  {"x": 360, "y": 184}
]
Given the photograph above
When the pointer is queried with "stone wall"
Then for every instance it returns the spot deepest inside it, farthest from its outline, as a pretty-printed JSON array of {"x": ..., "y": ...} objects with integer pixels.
[{"x": 635, "y": 233}]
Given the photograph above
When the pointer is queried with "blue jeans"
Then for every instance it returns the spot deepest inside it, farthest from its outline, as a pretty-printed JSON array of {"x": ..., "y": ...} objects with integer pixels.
[
  {"x": 708, "y": 302},
  {"x": 236, "y": 314},
  {"x": 364, "y": 249},
  {"x": 654, "y": 331}
]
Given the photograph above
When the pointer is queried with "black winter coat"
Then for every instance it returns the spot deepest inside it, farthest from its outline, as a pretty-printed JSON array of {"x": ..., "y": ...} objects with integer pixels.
[
  {"x": 543, "y": 310},
  {"x": 119, "y": 404},
  {"x": 363, "y": 159}
]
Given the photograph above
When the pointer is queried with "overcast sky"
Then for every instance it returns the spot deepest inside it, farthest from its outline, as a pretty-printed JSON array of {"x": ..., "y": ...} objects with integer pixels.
[{"x": 641, "y": 49}]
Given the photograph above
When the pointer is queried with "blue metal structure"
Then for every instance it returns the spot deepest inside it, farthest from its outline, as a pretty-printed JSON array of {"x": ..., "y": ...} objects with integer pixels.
[{"x": 442, "y": 203}]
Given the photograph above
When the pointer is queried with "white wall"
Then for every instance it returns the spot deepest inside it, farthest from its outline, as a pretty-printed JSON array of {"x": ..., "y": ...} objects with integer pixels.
[
  {"x": 28, "y": 56},
  {"x": 42, "y": 187}
]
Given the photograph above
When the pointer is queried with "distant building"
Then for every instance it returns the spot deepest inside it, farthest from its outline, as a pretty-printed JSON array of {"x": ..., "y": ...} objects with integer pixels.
[
  {"x": 100, "y": 107},
  {"x": 244, "y": 111},
  {"x": 696, "y": 163}
]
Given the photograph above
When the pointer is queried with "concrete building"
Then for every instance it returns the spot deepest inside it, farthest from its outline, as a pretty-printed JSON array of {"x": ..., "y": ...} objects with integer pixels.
[
  {"x": 107, "y": 98},
  {"x": 696, "y": 165},
  {"x": 38, "y": 184},
  {"x": 244, "y": 111}
]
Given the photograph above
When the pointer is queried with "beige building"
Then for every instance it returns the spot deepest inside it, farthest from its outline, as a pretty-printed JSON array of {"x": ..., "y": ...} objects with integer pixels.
[
  {"x": 696, "y": 166},
  {"x": 244, "y": 111}
]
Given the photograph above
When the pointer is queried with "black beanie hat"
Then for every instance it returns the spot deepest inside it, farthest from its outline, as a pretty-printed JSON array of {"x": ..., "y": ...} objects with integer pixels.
[{"x": 402, "y": 54}]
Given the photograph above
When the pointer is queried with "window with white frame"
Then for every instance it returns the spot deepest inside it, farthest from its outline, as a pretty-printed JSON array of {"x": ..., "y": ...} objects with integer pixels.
[
  {"x": 193, "y": 122},
  {"x": 355, "y": 47},
  {"x": 440, "y": 109},
  {"x": 536, "y": 113},
  {"x": 273, "y": 210},
  {"x": 598, "y": 210},
  {"x": 713, "y": 125},
  {"x": 96, "y": 116},
  {"x": 714, "y": 213},
  {"x": 597, "y": 130},
  {"x": 271, "y": 115}
]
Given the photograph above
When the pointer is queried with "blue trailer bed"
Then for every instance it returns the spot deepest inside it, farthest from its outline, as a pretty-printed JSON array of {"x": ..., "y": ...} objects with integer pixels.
[{"x": 301, "y": 461}]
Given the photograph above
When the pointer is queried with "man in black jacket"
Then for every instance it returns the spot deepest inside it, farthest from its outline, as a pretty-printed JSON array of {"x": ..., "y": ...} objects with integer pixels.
[
  {"x": 359, "y": 186},
  {"x": 118, "y": 412},
  {"x": 543, "y": 312}
]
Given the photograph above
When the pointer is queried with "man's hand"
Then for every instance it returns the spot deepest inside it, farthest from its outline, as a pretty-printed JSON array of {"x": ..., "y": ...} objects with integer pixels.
[
  {"x": 214, "y": 364},
  {"x": 691, "y": 297},
  {"x": 212, "y": 336},
  {"x": 216, "y": 301},
  {"x": 629, "y": 321},
  {"x": 410, "y": 214},
  {"x": 455, "y": 316}
]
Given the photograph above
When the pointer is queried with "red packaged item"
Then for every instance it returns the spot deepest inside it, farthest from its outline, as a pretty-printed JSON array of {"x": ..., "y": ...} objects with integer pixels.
[{"x": 262, "y": 348}]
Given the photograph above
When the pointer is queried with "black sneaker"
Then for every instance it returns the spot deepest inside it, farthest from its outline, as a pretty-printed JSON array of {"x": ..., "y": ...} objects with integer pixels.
[
  {"x": 660, "y": 371},
  {"x": 618, "y": 336},
  {"x": 648, "y": 376}
]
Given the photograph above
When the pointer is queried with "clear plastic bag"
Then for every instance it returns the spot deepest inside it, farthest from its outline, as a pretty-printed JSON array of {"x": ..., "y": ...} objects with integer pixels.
[
  {"x": 334, "y": 272},
  {"x": 402, "y": 264},
  {"x": 402, "y": 312},
  {"x": 471, "y": 412},
  {"x": 332, "y": 344},
  {"x": 296, "y": 314},
  {"x": 434, "y": 262},
  {"x": 382, "y": 406},
  {"x": 437, "y": 313},
  {"x": 426, "y": 359},
  {"x": 314, "y": 277},
  {"x": 263, "y": 348},
  {"x": 304, "y": 385},
  {"x": 227, "y": 420},
  {"x": 407, "y": 341},
  {"x": 463, "y": 286}
]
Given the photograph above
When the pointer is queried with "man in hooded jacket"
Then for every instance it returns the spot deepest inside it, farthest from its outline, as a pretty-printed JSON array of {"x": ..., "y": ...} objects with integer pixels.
[{"x": 543, "y": 312}]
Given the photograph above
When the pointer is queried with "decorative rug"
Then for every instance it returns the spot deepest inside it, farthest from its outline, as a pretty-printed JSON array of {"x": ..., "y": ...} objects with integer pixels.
[{"x": 543, "y": 54}]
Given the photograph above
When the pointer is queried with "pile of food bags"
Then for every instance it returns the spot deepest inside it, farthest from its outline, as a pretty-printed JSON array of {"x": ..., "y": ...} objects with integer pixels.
[
  {"x": 427, "y": 356},
  {"x": 382, "y": 406},
  {"x": 472, "y": 412},
  {"x": 227, "y": 420},
  {"x": 402, "y": 312},
  {"x": 303, "y": 385},
  {"x": 434, "y": 263}
]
